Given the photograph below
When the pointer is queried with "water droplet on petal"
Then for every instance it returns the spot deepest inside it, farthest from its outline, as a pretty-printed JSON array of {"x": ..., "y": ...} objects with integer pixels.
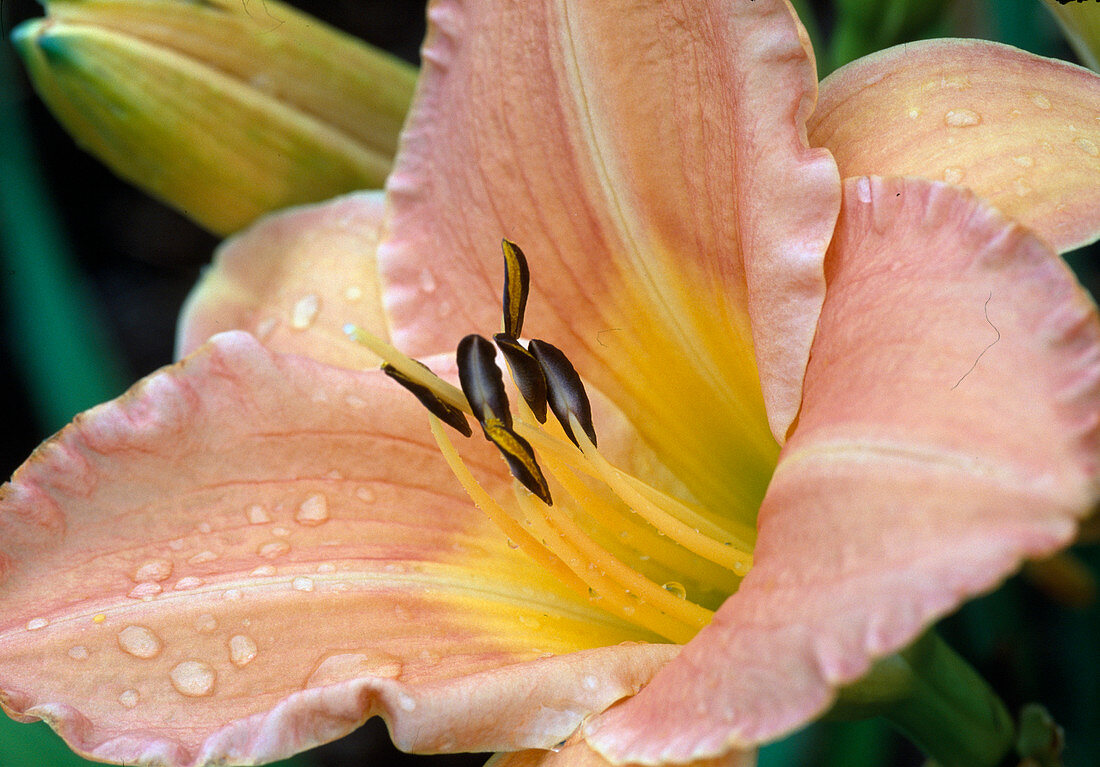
[
  {"x": 326, "y": 568},
  {"x": 530, "y": 621},
  {"x": 406, "y": 702},
  {"x": 365, "y": 494},
  {"x": 265, "y": 327},
  {"x": 590, "y": 682},
  {"x": 302, "y": 583},
  {"x": 257, "y": 515},
  {"x": 204, "y": 527},
  {"x": 193, "y": 678},
  {"x": 358, "y": 403},
  {"x": 313, "y": 511},
  {"x": 914, "y": 113},
  {"x": 129, "y": 698},
  {"x": 281, "y": 532},
  {"x": 78, "y": 652},
  {"x": 961, "y": 118},
  {"x": 345, "y": 666},
  {"x": 242, "y": 649},
  {"x": 952, "y": 175},
  {"x": 1087, "y": 146},
  {"x": 188, "y": 582},
  {"x": 37, "y": 623},
  {"x": 353, "y": 293},
  {"x": 205, "y": 623},
  {"x": 232, "y": 595},
  {"x": 145, "y": 591},
  {"x": 1024, "y": 160},
  {"x": 140, "y": 642},
  {"x": 305, "y": 311},
  {"x": 427, "y": 281},
  {"x": 1021, "y": 188},
  {"x": 273, "y": 549},
  {"x": 263, "y": 571},
  {"x": 675, "y": 588},
  {"x": 153, "y": 570},
  {"x": 203, "y": 557},
  {"x": 1040, "y": 101}
]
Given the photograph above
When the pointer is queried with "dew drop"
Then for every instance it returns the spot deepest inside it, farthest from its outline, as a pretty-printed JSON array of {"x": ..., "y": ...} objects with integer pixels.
[
  {"x": 193, "y": 678},
  {"x": 140, "y": 642},
  {"x": 1040, "y": 101},
  {"x": 961, "y": 118},
  {"x": 628, "y": 609},
  {"x": 257, "y": 515},
  {"x": 863, "y": 191},
  {"x": 188, "y": 582},
  {"x": 406, "y": 702},
  {"x": 358, "y": 403},
  {"x": 265, "y": 327},
  {"x": 145, "y": 591},
  {"x": 529, "y": 621},
  {"x": 281, "y": 532},
  {"x": 203, "y": 557},
  {"x": 1021, "y": 188},
  {"x": 590, "y": 682},
  {"x": 206, "y": 623},
  {"x": 1024, "y": 160},
  {"x": 273, "y": 549},
  {"x": 914, "y": 113},
  {"x": 1087, "y": 146},
  {"x": 78, "y": 652},
  {"x": 305, "y": 311},
  {"x": 326, "y": 568},
  {"x": 952, "y": 175},
  {"x": 232, "y": 595},
  {"x": 302, "y": 583},
  {"x": 263, "y": 571},
  {"x": 427, "y": 281},
  {"x": 365, "y": 494},
  {"x": 37, "y": 623},
  {"x": 129, "y": 698},
  {"x": 675, "y": 588},
  {"x": 353, "y": 293},
  {"x": 344, "y": 666},
  {"x": 242, "y": 649},
  {"x": 204, "y": 527},
  {"x": 313, "y": 511},
  {"x": 153, "y": 570}
]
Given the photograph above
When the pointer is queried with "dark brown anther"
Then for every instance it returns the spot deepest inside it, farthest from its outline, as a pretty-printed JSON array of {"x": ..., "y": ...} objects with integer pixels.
[
  {"x": 565, "y": 392},
  {"x": 526, "y": 373},
  {"x": 481, "y": 380},
  {"x": 517, "y": 284},
  {"x": 445, "y": 412},
  {"x": 520, "y": 457}
]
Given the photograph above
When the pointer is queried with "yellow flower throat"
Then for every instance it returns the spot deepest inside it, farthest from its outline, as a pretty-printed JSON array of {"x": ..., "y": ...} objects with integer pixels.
[{"x": 622, "y": 543}]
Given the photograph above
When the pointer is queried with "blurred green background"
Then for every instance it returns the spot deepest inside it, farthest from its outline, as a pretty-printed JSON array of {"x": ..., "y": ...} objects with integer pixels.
[{"x": 92, "y": 275}]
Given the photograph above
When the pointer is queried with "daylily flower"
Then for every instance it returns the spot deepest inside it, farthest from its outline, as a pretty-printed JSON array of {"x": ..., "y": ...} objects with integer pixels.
[{"x": 884, "y": 391}]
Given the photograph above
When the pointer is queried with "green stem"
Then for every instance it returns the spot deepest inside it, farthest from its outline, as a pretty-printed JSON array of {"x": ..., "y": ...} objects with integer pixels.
[{"x": 938, "y": 701}]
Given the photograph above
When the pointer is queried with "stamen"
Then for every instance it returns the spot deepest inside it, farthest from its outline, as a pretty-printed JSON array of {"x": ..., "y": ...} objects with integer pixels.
[
  {"x": 481, "y": 380},
  {"x": 447, "y": 413},
  {"x": 510, "y": 527},
  {"x": 619, "y": 600},
  {"x": 517, "y": 283},
  {"x": 566, "y": 392},
  {"x": 526, "y": 374},
  {"x": 520, "y": 457},
  {"x": 725, "y": 553},
  {"x": 412, "y": 370}
]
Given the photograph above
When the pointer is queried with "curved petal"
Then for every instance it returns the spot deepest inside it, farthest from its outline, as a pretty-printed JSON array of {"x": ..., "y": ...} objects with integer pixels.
[
  {"x": 650, "y": 159},
  {"x": 250, "y": 553},
  {"x": 950, "y": 428},
  {"x": 293, "y": 280},
  {"x": 1021, "y": 131},
  {"x": 580, "y": 754}
]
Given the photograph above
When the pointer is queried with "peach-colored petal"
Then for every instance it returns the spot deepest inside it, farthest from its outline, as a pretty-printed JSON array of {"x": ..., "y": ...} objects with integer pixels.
[
  {"x": 293, "y": 280},
  {"x": 250, "y": 553},
  {"x": 950, "y": 428},
  {"x": 580, "y": 754},
  {"x": 1021, "y": 131},
  {"x": 650, "y": 159}
]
